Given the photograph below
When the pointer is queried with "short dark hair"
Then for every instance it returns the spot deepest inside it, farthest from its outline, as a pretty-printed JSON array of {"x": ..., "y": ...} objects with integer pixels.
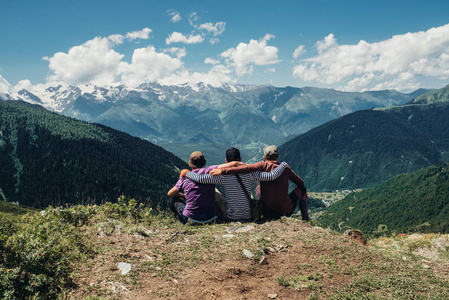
[
  {"x": 233, "y": 154},
  {"x": 272, "y": 157}
]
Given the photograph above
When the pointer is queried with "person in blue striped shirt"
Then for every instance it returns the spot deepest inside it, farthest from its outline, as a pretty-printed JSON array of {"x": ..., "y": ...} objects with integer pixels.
[{"x": 237, "y": 205}]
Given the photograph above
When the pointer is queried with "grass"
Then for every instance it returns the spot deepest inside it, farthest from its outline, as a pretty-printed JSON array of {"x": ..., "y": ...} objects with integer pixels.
[
  {"x": 13, "y": 212},
  {"x": 304, "y": 262}
]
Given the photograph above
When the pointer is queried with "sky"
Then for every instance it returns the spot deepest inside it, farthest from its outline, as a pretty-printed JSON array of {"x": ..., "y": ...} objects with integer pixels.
[{"x": 348, "y": 45}]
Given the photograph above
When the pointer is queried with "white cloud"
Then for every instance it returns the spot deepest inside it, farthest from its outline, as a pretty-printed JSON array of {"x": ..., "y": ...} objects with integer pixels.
[
  {"x": 177, "y": 37},
  {"x": 179, "y": 52},
  {"x": 5, "y": 87},
  {"x": 139, "y": 34},
  {"x": 216, "y": 29},
  {"x": 397, "y": 63},
  {"x": 327, "y": 43},
  {"x": 148, "y": 65},
  {"x": 92, "y": 62},
  {"x": 211, "y": 61},
  {"x": 193, "y": 18},
  {"x": 117, "y": 39},
  {"x": 207, "y": 28},
  {"x": 218, "y": 75},
  {"x": 97, "y": 62},
  {"x": 22, "y": 85},
  {"x": 244, "y": 56},
  {"x": 214, "y": 41},
  {"x": 299, "y": 51},
  {"x": 175, "y": 16}
]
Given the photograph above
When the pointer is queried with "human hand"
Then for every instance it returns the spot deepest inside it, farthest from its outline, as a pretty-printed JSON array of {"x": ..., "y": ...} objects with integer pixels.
[
  {"x": 216, "y": 172},
  {"x": 183, "y": 172}
]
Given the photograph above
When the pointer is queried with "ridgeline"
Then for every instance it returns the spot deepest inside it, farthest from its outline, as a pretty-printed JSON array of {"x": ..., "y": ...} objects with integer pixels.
[
  {"x": 49, "y": 159},
  {"x": 367, "y": 147}
]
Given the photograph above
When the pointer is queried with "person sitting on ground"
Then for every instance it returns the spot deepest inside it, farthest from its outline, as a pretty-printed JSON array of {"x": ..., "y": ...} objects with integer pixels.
[
  {"x": 276, "y": 201},
  {"x": 237, "y": 205},
  {"x": 192, "y": 200}
]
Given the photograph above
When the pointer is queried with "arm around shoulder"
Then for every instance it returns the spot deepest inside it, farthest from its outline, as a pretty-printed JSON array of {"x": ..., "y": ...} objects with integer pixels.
[
  {"x": 270, "y": 176},
  {"x": 244, "y": 169}
]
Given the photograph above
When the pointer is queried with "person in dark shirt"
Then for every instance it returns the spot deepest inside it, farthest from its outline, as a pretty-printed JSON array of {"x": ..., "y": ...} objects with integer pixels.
[{"x": 276, "y": 201}]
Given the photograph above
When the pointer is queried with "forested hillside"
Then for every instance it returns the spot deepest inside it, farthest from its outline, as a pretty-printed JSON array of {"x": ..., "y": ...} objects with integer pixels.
[
  {"x": 48, "y": 159},
  {"x": 417, "y": 202},
  {"x": 367, "y": 147}
]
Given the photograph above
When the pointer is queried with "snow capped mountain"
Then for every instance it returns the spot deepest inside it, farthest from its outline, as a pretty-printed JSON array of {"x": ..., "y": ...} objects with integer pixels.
[{"x": 240, "y": 115}]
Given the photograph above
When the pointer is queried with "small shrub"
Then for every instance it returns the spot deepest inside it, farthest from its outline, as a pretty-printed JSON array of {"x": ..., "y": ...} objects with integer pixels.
[{"x": 37, "y": 260}]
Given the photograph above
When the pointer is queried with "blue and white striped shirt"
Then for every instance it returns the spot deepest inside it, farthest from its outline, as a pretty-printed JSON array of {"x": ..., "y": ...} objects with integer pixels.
[{"x": 237, "y": 205}]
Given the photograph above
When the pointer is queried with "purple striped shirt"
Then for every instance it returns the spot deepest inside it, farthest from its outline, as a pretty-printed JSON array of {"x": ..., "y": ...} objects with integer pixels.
[{"x": 200, "y": 198}]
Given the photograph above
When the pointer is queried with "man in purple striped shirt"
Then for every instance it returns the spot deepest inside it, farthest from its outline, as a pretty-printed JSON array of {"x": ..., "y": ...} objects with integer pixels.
[{"x": 199, "y": 198}]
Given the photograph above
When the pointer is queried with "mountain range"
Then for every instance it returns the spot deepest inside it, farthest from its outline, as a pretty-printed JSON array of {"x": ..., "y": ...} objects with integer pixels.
[
  {"x": 367, "y": 147},
  {"x": 202, "y": 117}
]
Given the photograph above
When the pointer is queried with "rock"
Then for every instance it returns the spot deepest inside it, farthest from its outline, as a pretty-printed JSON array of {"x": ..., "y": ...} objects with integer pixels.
[
  {"x": 118, "y": 228},
  {"x": 272, "y": 296},
  {"x": 248, "y": 253},
  {"x": 245, "y": 229},
  {"x": 118, "y": 287},
  {"x": 263, "y": 261},
  {"x": 125, "y": 268},
  {"x": 228, "y": 236},
  {"x": 240, "y": 229},
  {"x": 356, "y": 236}
]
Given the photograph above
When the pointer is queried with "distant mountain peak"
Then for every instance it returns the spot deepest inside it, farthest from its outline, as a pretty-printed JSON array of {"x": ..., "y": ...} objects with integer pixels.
[{"x": 433, "y": 97}]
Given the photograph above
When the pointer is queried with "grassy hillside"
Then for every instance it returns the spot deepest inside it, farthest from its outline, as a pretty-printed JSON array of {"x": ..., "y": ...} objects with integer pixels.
[
  {"x": 49, "y": 159},
  {"x": 417, "y": 202},
  {"x": 76, "y": 253},
  {"x": 432, "y": 97},
  {"x": 13, "y": 213}
]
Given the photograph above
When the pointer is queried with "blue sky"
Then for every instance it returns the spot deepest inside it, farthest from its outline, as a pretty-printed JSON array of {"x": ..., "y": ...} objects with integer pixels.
[{"x": 347, "y": 45}]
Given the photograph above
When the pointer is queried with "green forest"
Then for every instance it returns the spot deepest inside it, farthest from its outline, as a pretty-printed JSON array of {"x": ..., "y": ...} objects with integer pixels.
[
  {"x": 417, "y": 202},
  {"x": 49, "y": 159}
]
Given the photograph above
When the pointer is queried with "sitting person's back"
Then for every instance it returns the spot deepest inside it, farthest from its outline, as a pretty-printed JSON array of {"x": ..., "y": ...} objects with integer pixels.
[
  {"x": 200, "y": 198},
  {"x": 237, "y": 203},
  {"x": 191, "y": 199},
  {"x": 274, "y": 195}
]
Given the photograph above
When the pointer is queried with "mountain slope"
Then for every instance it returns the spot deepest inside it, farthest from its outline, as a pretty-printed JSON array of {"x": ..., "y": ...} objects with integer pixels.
[
  {"x": 237, "y": 115},
  {"x": 417, "y": 202},
  {"x": 367, "y": 147},
  {"x": 49, "y": 159}
]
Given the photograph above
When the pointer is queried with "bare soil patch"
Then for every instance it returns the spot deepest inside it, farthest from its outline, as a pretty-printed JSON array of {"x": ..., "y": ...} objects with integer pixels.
[{"x": 291, "y": 260}]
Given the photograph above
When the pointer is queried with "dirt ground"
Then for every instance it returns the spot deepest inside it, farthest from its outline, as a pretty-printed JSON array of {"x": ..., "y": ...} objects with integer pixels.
[{"x": 292, "y": 260}]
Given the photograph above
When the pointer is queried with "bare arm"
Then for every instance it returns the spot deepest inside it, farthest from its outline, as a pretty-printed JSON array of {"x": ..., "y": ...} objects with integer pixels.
[
  {"x": 230, "y": 165},
  {"x": 174, "y": 193},
  {"x": 242, "y": 169},
  {"x": 269, "y": 176}
]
